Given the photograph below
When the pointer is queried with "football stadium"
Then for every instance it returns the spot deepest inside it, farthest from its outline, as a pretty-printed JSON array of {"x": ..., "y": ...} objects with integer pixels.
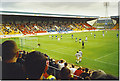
[{"x": 49, "y": 46}]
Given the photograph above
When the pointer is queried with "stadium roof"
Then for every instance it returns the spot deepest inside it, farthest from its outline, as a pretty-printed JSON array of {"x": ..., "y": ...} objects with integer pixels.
[
  {"x": 45, "y": 14},
  {"x": 115, "y": 18},
  {"x": 66, "y": 8}
]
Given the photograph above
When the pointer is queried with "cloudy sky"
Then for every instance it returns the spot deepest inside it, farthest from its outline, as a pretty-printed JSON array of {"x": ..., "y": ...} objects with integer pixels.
[{"x": 88, "y": 8}]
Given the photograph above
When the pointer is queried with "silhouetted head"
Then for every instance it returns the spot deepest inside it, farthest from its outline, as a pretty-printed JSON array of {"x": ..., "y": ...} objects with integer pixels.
[
  {"x": 35, "y": 63},
  {"x": 9, "y": 50}
]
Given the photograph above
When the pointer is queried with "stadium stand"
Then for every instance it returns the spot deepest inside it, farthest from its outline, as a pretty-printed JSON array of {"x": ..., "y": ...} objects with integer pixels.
[
  {"x": 38, "y": 24},
  {"x": 116, "y": 26},
  {"x": 30, "y": 28},
  {"x": 9, "y": 29},
  {"x": 89, "y": 27},
  {"x": 115, "y": 18}
]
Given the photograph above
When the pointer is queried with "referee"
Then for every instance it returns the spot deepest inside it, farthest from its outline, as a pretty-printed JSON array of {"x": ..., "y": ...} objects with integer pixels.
[{"x": 82, "y": 44}]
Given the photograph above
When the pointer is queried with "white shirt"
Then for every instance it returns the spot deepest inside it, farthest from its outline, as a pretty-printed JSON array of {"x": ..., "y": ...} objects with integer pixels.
[
  {"x": 73, "y": 70},
  {"x": 80, "y": 52},
  {"x": 61, "y": 65},
  {"x": 77, "y": 55}
]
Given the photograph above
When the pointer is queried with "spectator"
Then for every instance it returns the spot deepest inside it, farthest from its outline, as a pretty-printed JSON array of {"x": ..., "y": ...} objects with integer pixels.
[
  {"x": 65, "y": 74},
  {"x": 35, "y": 64},
  {"x": 101, "y": 75},
  {"x": 72, "y": 69},
  {"x": 53, "y": 64},
  {"x": 111, "y": 77},
  {"x": 61, "y": 63},
  {"x": 85, "y": 74},
  {"x": 66, "y": 65},
  {"x": 11, "y": 69},
  {"x": 97, "y": 75},
  {"x": 78, "y": 72}
]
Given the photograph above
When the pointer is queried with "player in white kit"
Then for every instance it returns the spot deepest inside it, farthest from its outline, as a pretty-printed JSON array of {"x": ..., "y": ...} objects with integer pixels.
[
  {"x": 78, "y": 56},
  {"x": 103, "y": 35},
  {"x": 86, "y": 38}
]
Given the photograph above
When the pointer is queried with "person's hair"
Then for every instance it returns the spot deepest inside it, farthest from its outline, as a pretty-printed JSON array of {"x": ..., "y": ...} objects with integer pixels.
[
  {"x": 61, "y": 61},
  {"x": 65, "y": 73},
  {"x": 46, "y": 55},
  {"x": 50, "y": 60},
  {"x": 86, "y": 69},
  {"x": 83, "y": 69},
  {"x": 79, "y": 68},
  {"x": 72, "y": 66},
  {"x": 98, "y": 75},
  {"x": 77, "y": 52},
  {"x": 9, "y": 50},
  {"x": 35, "y": 63},
  {"x": 65, "y": 64}
]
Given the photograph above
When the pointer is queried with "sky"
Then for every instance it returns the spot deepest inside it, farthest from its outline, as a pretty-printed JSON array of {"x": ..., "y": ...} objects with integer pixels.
[{"x": 71, "y": 7}]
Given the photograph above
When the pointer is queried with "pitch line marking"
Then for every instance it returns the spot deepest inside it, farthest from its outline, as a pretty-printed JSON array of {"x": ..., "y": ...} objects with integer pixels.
[
  {"x": 107, "y": 63},
  {"x": 83, "y": 57},
  {"x": 105, "y": 55},
  {"x": 87, "y": 58}
]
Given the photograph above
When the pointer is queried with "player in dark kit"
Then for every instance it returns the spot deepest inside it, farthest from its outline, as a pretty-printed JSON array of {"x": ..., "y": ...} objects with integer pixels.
[
  {"x": 38, "y": 44},
  {"x": 82, "y": 44},
  {"x": 94, "y": 35},
  {"x": 61, "y": 36},
  {"x": 76, "y": 39},
  {"x": 56, "y": 36},
  {"x": 80, "y": 40},
  {"x": 72, "y": 36},
  {"x": 52, "y": 36},
  {"x": 117, "y": 35}
]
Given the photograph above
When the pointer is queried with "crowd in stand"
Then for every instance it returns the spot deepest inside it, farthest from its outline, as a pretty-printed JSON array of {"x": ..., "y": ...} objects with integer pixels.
[
  {"x": 9, "y": 29},
  {"x": 17, "y": 64},
  {"x": 32, "y": 28}
]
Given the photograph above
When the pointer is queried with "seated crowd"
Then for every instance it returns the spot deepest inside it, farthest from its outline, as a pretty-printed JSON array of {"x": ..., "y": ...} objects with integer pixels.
[
  {"x": 17, "y": 64},
  {"x": 32, "y": 28},
  {"x": 9, "y": 29}
]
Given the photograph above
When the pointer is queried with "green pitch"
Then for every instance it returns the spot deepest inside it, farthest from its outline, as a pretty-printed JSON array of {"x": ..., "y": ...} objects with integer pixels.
[{"x": 99, "y": 53}]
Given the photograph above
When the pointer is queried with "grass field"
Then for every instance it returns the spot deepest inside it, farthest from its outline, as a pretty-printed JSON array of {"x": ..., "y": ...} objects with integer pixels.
[{"x": 99, "y": 53}]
